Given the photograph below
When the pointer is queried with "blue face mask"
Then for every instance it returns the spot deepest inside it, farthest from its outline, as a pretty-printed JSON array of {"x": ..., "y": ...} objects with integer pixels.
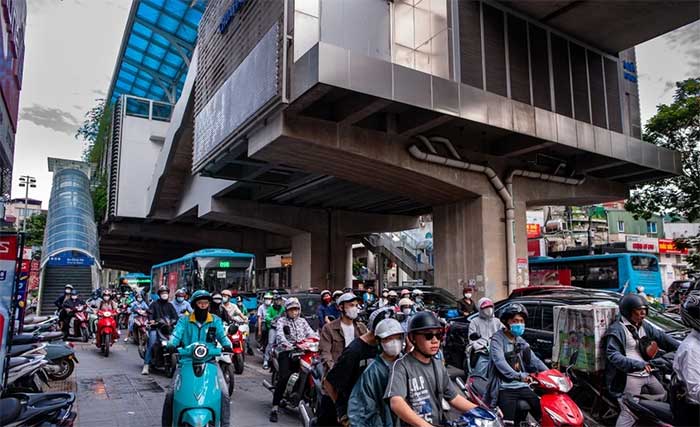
[
  {"x": 180, "y": 299},
  {"x": 517, "y": 329}
]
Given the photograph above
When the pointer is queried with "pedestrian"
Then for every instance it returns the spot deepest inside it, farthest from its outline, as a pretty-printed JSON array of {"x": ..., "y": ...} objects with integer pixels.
[
  {"x": 180, "y": 304},
  {"x": 367, "y": 407},
  {"x": 327, "y": 310},
  {"x": 338, "y": 334},
  {"x": 466, "y": 304},
  {"x": 273, "y": 313},
  {"x": 665, "y": 302},
  {"x": 418, "y": 383}
]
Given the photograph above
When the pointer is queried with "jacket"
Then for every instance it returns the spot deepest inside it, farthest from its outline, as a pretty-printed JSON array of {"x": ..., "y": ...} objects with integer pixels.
[
  {"x": 60, "y": 300},
  {"x": 137, "y": 306},
  {"x": 330, "y": 310},
  {"x": 500, "y": 370},
  {"x": 333, "y": 341},
  {"x": 188, "y": 331},
  {"x": 299, "y": 330},
  {"x": 181, "y": 307},
  {"x": 367, "y": 407},
  {"x": 110, "y": 305},
  {"x": 686, "y": 365},
  {"x": 234, "y": 313},
  {"x": 617, "y": 365},
  {"x": 272, "y": 315},
  {"x": 160, "y": 309}
]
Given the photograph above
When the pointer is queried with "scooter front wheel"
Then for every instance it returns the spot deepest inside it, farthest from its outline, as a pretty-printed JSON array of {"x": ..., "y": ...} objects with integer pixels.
[
  {"x": 61, "y": 369},
  {"x": 142, "y": 342},
  {"x": 84, "y": 333},
  {"x": 170, "y": 370},
  {"x": 238, "y": 363},
  {"x": 106, "y": 343},
  {"x": 230, "y": 376}
]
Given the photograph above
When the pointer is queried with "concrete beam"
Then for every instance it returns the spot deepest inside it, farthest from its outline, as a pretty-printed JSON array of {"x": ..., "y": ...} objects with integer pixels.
[{"x": 349, "y": 113}]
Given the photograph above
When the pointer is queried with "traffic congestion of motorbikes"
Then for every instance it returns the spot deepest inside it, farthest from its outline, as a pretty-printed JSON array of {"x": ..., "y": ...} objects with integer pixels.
[{"x": 357, "y": 358}]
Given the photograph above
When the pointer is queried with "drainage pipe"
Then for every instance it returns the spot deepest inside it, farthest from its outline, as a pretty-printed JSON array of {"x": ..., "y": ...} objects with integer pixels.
[{"x": 504, "y": 191}]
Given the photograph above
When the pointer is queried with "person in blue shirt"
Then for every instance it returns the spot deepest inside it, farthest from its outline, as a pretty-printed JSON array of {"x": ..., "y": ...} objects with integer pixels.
[
  {"x": 326, "y": 309},
  {"x": 138, "y": 304},
  {"x": 181, "y": 305},
  {"x": 369, "y": 297}
]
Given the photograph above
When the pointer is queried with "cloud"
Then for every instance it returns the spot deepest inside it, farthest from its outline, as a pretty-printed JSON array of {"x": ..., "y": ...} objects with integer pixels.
[
  {"x": 99, "y": 92},
  {"x": 687, "y": 40},
  {"x": 52, "y": 118}
]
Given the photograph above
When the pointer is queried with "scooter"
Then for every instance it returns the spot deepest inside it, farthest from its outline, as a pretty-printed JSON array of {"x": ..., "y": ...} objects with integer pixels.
[
  {"x": 40, "y": 324},
  {"x": 140, "y": 331},
  {"x": 648, "y": 412},
  {"x": 197, "y": 399},
  {"x": 25, "y": 374},
  {"x": 60, "y": 355},
  {"x": 41, "y": 409},
  {"x": 123, "y": 316},
  {"x": 107, "y": 332},
  {"x": 78, "y": 323},
  {"x": 476, "y": 356},
  {"x": 477, "y": 417},
  {"x": 163, "y": 358},
  {"x": 238, "y": 334}
]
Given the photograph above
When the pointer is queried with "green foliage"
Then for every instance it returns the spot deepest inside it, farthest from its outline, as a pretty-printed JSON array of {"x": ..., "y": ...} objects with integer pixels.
[
  {"x": 99, "y": 198},
  {"x": 95, "y": 131},
  {"x": 675, "y": 126},
  {"x": 35, "y": 230}
]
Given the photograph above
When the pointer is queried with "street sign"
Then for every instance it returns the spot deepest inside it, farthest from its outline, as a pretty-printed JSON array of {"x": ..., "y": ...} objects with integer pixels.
[
  {"x": 70, "y": 259},
  {"x": 642, "y": 244}
]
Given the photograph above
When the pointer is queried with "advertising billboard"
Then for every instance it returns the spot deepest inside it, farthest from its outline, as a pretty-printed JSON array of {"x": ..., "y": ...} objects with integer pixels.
[
  {"x": 642, "y": 244},
  {"x": 667, "y": 246},
  {"x": 8, "y": 262}
]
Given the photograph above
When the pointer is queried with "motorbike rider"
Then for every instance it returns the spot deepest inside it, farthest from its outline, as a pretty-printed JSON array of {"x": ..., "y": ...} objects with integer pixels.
[
  {"x": 369, "y": 298},
  {"x": 292, "y": 328},
  {"x": 384, "y": 300},
  {"x": 685, "y": 400},
  {"x": 62, "y": 314},
  {"x": 338, "y": 334},
  {"x": 327, "y": 310},
  {"x": 66, "y": 309},
  {"x": 180, "y": 303},
  {"x": 108, "y": 303},
  {"x": 393, "y": 299},
  {"x": 484, "y": 325},
  {"x": 195, "y": 328},
  {"x": 405, "y": 293},
  {"x": 351, "y": 363},
  {"x": 273, "y": 313},
  {"x": 138, "y": 304},
  {"x": 232, "y": 310},
  {"x": 216, "y": 309},
  {"x": 512, "y": 362},
  {"x": 418, "y": 299},
  {"x": 261, "y": 327},
  {"x": 367, "y": 407},
  {"x": 159, "y": 309},
  {"x": 407, "y": 310},
  {"x": 466, "y": 304},
  {"x": 628, "y": 344},
  {"x": 418, "y": 382}
]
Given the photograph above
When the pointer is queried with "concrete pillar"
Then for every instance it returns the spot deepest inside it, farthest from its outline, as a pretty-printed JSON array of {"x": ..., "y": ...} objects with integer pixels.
[
  {"x": 260, "y": 265},
  {"x": 469, "y": 243},
  {"x": 309, "y": 261},
  {"x": 523, "y": 273},
  {"x": 348, "y": 264}
]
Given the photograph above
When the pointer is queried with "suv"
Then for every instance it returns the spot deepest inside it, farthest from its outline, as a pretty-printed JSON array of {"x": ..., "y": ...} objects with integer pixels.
[
  {"x": 680, "y": 288},
  {"x": 539, "y": 328}
]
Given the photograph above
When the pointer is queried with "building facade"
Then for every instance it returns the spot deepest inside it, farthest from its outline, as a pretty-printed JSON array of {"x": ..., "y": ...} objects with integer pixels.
[{"x": 16, "y": 210}]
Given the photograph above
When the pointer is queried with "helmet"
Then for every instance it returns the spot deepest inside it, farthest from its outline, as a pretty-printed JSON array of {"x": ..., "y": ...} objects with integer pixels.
[
  {"x": 417, "y": 292},
  {"x": 336, "y": 294},
  {"x": 393, "y": 294},
  {"x": 378, "y": 315},
  {"x": 268, "y": 295},
  {"x": 226, "y": 293},
  {"x": 216, "y": 295},
  {"x": 405, "y": 293},
  {"x": 278, "y": 297},
  {"x": 423, "y": 320},
  {"x": 68, "y": 286},
  {"x": 630, "y": 302},
  {"x": 347, "y": 297},
  {"x": 179, "y": 292},
  {"x": 405, "y": 301},
  {"x": 485, "y": 303},
  {"x": 292, "y": 303},
  {"x": 387, "y": 328},
  {"x": 107, "y": 292},
  {"x": 325, "y": 292},
  {"x": 200, "y": 294},
  {"x": 690, "y": 310},
  {"x": 163, "y": 289},
  {"x": 511, "y": 311}
]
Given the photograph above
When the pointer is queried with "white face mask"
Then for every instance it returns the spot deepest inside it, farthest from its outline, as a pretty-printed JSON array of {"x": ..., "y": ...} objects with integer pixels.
[
  {"x": 268, "y": 301},
  {"x": 393, "y": 347},
  {"x": 406, "y": 311},
  {"x": 488, "y": 312},
  {"x": 352, "y": 312},
  {"x": 164, "y": 297},
  {"x": 225, "y": 299},
  {"x": 467, "y": 295},
  {"x": 419, "y": 299}
]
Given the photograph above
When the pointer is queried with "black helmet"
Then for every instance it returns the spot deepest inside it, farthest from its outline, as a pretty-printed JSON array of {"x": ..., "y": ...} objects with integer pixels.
[
  {"x": 423, "y": 320},
  {"x": 631, "y": 302},
  {"x": 690, "y": 310},
  {"x": 379, "y": 315},
  {"x": 163, "y": 289},
  {"x": 511, "y": 311}
]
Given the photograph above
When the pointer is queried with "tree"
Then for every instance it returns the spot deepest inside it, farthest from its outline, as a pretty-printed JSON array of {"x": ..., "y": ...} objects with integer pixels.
[
  {"x": 95, "y": 132},
  {"x": 675, "y": 126},
  {"x": 35, "y": 229}
]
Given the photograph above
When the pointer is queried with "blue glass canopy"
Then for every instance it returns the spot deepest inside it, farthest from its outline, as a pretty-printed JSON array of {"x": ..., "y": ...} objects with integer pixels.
[{"x": 157, "y": 46}]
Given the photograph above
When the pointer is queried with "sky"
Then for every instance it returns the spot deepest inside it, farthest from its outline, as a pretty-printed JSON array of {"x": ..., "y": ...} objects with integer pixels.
[{"x": 72, "y": 46}]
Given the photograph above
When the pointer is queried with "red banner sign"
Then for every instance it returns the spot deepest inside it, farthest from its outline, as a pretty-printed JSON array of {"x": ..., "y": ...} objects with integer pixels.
[
  {"x": 534, "y": 231},
  {"x": 667, "y": 246}
]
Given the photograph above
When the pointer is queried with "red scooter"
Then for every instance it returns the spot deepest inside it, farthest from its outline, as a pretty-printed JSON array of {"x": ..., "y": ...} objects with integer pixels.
[
  {"x": 238, "y": 343},
  {"x": 78, "y": 322},
  {"x": 107, "y": 332}
]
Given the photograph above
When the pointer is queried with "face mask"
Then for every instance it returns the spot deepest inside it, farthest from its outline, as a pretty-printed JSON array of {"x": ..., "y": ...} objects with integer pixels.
[
  {"x": 352, "y": 312},
  {"x": 406, "y": 311},
  {"x": 164, "y": 297},
  {"x": 326, "y": 299},
  {"x": 488, "y": 312},
  {"x": 139, "y": 299},
  {"x": 200, "y": 314},
  {"x": 68, "y": 291},
  {"x": 517, "y": 329},
  {"x": 73, "y": 297},
  {"x": 467, "y": 295},
  {"x": 419, "y": 299},
  {"x": 107, "y": 297},
  {"x": 225, "y": 299},
  {"x": 393, "y": 347},
  {"x": 217, "y": 301},
  {"x": 268, "y": 301},
  {"x": 179, "y": 299},
  {"x": 385, "y": 296}
]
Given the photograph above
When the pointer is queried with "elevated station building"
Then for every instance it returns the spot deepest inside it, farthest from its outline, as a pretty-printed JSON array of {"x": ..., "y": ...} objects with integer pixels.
[{"x": 302, "y": 126}]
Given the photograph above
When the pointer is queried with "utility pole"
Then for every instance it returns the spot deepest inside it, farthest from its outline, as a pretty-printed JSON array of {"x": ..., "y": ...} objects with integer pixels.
[{"x": 27, "y": 182}]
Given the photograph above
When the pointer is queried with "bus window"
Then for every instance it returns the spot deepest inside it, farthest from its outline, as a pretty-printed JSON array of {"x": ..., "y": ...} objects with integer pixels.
[
  {"x": 602, "y": 274},
  {"x": 643, "y": 263}
]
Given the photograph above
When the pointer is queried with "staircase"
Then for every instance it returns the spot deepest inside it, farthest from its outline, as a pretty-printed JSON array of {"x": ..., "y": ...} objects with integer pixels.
[
  {"x": 56, "y": 278},
  {"x": 403, "y": 250}
]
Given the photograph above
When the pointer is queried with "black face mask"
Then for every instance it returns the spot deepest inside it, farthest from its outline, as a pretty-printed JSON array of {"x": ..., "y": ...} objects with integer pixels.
[{"x": 200, "y": 314}]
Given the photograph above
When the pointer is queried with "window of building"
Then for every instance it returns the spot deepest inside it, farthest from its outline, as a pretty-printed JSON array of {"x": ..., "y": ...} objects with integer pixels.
[
  {"x": 621, "y": 226},
  {"x": 651, "y": 227}
]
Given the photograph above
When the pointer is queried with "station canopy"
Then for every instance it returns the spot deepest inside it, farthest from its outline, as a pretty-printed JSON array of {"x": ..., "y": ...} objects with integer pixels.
[{"x": 157, "y": 46}]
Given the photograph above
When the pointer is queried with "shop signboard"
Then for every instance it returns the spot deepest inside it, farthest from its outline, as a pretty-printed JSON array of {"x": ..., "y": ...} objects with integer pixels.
[
  {"x": 642, "y": 244},
  {"x": 534, "y": 231},
  {"x": 34, "y": 275},
  {"x": 22, "y": 293},
  {"x": 536, "y": 247},
  {"x": 8, "y": 262},
  {"x": 668, "y": 246}
]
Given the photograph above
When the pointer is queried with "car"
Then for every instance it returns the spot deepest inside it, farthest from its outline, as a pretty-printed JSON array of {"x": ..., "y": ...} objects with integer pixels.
[
  {"x": 539, "y": 327},
  {"x": 438, "y": 300},
  {"x": 261, "y": 292},
  {"x": 680, "y": 288}
]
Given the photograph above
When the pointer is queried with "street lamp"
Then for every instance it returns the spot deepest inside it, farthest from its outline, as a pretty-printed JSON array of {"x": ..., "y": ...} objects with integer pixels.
[{"x": 27, "y": 182}]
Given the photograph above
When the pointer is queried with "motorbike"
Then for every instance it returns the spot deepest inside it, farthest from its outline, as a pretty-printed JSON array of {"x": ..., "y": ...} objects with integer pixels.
[
  {"x": 78, "y": 322},
  {"x": 41, "y": 409},
  {"x": 163, "y": 358},
  {"x": 61, "y": 356},
  {"x": 123, "y": 316},
  {"x": 649, "y": 412},
  {"x": 140, "y": 331},
  {"x": 25, "y": 373},
  {"x": 107, "y": 332},
  {"x": 40, "y": 324},
  {"x": 238, "y": 334},
  {"x": 477, "y": 417},
  {"x": 197, "y": 397},
  {"x": 476, "y": 356},
  {"x": 303, "y": 389}
]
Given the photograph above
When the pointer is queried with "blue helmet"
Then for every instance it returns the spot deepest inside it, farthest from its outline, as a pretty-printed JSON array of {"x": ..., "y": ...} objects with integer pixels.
[{"x": 200, "y": 294}]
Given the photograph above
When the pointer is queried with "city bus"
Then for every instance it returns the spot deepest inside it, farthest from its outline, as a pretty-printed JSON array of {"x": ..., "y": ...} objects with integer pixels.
[
  {"x": 137, "y": 282},
  {"x": 622, "y": 272},
  {"x": 210, "y": 269}
]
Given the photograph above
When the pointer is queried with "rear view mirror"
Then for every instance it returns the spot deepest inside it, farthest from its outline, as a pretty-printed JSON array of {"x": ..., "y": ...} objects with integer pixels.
[{"x": 232, "y": 329}]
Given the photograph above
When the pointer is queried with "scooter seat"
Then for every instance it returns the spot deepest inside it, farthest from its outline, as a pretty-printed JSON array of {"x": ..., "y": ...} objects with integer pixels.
[
  {"x": 21, "y": 339},
  {"x": 35, "y": 319},
  {"x": 19, "y": 349},
  {"x": 10, "y": 408},
  {"x": 661, "y": 409},
  {"x": 16, "y": 361},
  {"x": 51, "y": 336}
]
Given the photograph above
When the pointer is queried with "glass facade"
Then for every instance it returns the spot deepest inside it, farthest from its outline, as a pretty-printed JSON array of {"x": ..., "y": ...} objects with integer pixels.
[{"x": 70, "y": 225}]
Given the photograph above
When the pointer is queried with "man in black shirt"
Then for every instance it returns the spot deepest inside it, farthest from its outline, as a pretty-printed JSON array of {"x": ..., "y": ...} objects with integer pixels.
[{"x": 352, "y": 363}]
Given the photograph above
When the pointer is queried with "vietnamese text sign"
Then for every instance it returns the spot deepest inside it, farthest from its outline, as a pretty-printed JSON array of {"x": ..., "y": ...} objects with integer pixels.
[
  {"x": 8, "y": 261},
  {"x": 642, "y": 244},
  {"x": 533, "y": 231},
  {"x": 667, "y": 246}
]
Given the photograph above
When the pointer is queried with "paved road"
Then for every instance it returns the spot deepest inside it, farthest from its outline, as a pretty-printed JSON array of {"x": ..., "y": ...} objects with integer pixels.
[{"x": 113, "y": 393}]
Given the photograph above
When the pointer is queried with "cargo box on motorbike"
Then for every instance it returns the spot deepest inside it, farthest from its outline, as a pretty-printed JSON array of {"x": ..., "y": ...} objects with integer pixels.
[{"x": 581, "y": 328}]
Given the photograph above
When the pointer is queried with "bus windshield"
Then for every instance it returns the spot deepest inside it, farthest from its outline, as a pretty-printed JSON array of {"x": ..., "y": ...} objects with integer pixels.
[
  {"x": 215, "y": 274},
  {"x": 643, "y": 263}
]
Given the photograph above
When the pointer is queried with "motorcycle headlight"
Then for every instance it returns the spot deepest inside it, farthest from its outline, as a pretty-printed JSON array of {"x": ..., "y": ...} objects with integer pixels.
[
  {"x": 563, "y": 383},
  {"x": 200, "y": 352},
  {"x": 164, "y": 343},
  {"x": 482, "y": 422},
  {"x": 107, "y": 314}
]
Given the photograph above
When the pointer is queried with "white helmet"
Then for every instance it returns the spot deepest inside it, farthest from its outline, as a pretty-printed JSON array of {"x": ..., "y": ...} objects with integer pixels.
[
  {"x": 417, "y": 292},
  {"x": 292, "y": 303},
  {"x": 393, "y": 294},
  {"x": 387, "y": 328},
  {"x": 405, "y": 301}
]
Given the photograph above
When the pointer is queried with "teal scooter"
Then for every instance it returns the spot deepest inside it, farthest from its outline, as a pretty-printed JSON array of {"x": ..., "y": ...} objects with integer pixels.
[{"x": 197, "y": 391}]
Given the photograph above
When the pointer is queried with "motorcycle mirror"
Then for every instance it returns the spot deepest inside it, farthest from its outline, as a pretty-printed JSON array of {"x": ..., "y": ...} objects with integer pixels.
[
  {"x": 474, "y": 336},
  {"x": 460, "y": 383},
  {"x": 232, "y": 329},
  {"x": 286, "y": 330},
  {"x": 573, "y": 358}
]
